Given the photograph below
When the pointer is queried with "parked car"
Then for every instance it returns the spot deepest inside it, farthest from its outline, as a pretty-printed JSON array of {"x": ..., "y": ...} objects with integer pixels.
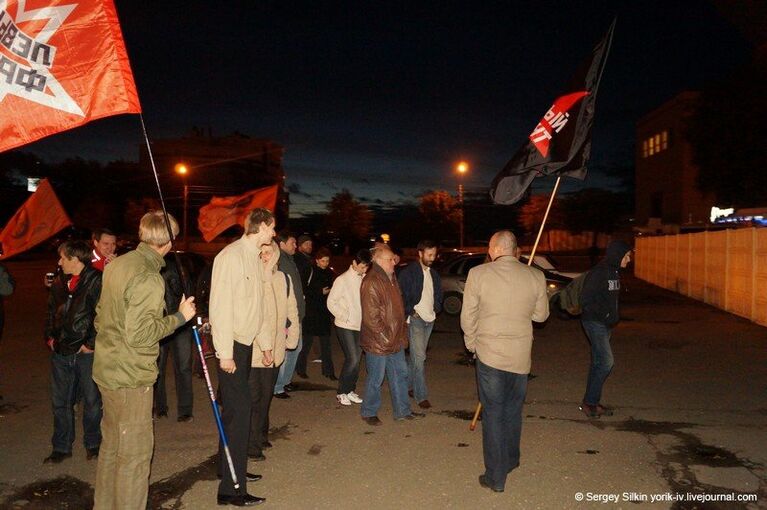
[{"x": 453, "y": 274}]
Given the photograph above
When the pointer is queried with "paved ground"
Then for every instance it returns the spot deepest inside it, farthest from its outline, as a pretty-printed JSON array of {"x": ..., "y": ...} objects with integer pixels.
[{"x": 690, "y": 387}]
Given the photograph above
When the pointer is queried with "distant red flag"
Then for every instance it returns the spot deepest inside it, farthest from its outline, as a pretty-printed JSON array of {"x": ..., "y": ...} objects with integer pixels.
[
  {"x": 560, "y": 143},
  {"x": 63, "y": 64},
  {"x": 224, "y": 212},
  {"x": 39, "y": 218}
]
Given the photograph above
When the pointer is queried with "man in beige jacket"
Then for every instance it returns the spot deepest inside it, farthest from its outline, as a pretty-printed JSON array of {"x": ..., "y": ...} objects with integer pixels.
[
  {"x": 500, "y": 300},
  {"x": 236, "y": 313},
  {"x": 279, "y": 331}
]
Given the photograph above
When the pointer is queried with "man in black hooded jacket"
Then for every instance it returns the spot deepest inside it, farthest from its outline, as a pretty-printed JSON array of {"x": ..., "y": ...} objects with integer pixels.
[
  {"x": 599, "y": 301},
  {"x": 71, "y": 336}
]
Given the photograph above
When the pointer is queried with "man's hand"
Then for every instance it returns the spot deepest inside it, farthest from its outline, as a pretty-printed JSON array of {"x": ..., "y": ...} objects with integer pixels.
[
  {"x": 186, "y": 307},
  {"x": 49, "y": 343},
  {"x": 227, "y": 365},
  {"x": 85, "y": 350},
  {"x": 109, "y": 258},
  {"x": 325, "y": 291},
  {"x": 268, "y": 358}
]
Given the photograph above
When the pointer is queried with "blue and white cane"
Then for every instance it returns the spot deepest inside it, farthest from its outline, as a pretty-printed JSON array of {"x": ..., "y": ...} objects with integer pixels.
[{"x": 216, "y": 413}]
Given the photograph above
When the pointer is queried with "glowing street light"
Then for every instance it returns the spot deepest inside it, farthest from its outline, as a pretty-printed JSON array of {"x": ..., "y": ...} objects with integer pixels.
[
  {"x": 462, "y": 167},
  {"x": 181, "y": 168}
]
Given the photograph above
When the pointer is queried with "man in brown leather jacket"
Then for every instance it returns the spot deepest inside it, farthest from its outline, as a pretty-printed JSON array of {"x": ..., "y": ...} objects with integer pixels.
[{"x": 383, "y": 337}]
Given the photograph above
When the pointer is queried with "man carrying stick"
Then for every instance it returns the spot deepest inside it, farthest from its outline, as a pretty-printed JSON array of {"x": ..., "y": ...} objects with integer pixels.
[{"x": 499, "y": 302}]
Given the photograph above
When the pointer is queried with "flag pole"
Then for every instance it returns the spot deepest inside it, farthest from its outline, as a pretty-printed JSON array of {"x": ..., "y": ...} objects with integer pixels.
[
  {"x": 157, "y": 180},
  {"x": 473, "y": 424}
]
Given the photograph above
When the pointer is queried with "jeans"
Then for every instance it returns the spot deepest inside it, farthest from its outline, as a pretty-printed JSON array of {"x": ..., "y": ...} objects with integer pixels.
[
  {"x": 328, "y": 370},
  {"x": 393, "y": 366},
  {"x": 122, "y": 474},
  {"x": 502, "y": 395},
  {"x": 350, "y": 345},
  {"x": 68, "y": 374},
  {"x": 287, "y": 368},
  {"x": 601, "y": 360},
  {"x": 420, "y": 331},
  {"x": 180, "y": 343}
]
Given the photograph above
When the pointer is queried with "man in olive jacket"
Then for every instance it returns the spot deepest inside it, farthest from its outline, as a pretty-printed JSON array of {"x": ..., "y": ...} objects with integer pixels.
[
  {"x": 383, "y": 337},
  {"x": 129, "y": 326}
]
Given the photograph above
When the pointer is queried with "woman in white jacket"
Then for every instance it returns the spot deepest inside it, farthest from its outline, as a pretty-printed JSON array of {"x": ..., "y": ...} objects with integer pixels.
[{"x": 344, "y": 304}]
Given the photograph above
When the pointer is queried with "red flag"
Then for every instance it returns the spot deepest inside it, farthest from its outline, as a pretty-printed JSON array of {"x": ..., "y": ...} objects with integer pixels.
[
  {"x": 62, "y": 64},
  {"x": 224, "y": 212},
  {"x": 39, "y": 218}
]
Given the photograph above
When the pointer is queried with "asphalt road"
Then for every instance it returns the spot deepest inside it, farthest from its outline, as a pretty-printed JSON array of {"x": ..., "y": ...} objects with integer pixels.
[{"x": 689, "y": 385}]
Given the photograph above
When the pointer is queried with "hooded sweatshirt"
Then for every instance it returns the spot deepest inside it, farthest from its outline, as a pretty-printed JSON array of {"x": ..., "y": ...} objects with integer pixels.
[{"x": 601, "y": 289}]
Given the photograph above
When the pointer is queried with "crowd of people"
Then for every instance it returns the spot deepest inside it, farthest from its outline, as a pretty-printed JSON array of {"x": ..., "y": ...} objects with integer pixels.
[{"x": 113, "y": 321}]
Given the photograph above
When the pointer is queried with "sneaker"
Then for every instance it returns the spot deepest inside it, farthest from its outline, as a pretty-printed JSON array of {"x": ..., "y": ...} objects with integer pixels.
[
  {"x": 354, "y": 398},
  {"x": 589, "y": 410},
  {"x": 343, "y": 399}
]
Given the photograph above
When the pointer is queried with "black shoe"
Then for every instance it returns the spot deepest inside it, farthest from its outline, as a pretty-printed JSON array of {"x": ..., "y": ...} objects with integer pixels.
[
  {"x": 371, "y": 420},
  {"x": 290, "y": 387},
  {"x": 484, "y": 483},
  {"x": 302, "y": 375},
  {"x": 251, "y": 477},
  {"x": 162, "y": 413},
  {"x": 246, "y": 500},
  {"x": 91, "y": 453},
  {"x": 411, "y": 416},
  {"x": 332, "y": 377},
  {"x": 282, "y": 395},
  {"x": 56, "y": 457},
  {"x": 185, "y": 418},
  {"x": 266, "y": 444},
  {"x": 258, "y": 457}
]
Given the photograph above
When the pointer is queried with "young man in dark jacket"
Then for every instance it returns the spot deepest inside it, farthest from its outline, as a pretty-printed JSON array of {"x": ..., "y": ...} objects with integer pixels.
[
  {"x": 422, "y": 296},
  {"x": 599, "y": 301},
  {"x": 71, "y": 336}
]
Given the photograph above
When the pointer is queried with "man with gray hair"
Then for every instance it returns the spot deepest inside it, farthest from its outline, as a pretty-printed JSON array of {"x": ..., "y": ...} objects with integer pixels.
[
  {"x": 129, "y": 326},
  {"x": 383, "y": 337},
  {"x": 500, "y": 300}
]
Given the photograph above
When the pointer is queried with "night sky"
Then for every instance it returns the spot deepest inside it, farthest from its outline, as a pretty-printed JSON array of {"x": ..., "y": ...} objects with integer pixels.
[{"x": 384, "y": 98}]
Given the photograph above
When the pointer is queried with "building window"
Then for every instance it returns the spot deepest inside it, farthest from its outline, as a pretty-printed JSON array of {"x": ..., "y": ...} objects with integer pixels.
[{"x": 654, "y": 144}]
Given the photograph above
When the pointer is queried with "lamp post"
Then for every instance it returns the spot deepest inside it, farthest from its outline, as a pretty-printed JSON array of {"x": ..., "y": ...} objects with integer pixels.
[
  {"x": 183, "y": 170},
  {"x": 462, "y": 167}
]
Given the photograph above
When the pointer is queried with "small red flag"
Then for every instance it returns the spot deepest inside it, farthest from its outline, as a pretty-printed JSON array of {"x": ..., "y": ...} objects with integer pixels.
[
  {"x": 39, "y": 218},
  {"x": 63, "y": 64},
  {"x": 224, "y": 212}
]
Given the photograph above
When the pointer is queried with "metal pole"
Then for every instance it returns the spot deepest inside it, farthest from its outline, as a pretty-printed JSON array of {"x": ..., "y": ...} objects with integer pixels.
[
  {"x": 186, "y": 216},
  {"x": 460, "y": 200}
]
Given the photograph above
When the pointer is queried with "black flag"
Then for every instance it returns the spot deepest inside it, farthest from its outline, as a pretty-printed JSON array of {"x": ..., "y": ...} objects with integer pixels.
[{"x": 561, "y": 142}]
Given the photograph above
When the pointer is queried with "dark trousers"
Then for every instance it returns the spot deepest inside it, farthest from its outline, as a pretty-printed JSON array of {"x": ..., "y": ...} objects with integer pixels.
[
  {"x": 235, "y": 415},
  {"x": 326, "y": 355},
  {"x": 71, "y": 374},
  {"x": 261, "y": 382},
  {"x": 602, "y": 360},
  {"x": 350, "y": 345},
  {"x": 181, "y": 344},
  {"x": 502, "y": 395}
]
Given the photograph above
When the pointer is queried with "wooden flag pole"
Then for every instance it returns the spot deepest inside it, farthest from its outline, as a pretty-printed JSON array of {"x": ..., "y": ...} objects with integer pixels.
[{"x": 529, "y": 263}]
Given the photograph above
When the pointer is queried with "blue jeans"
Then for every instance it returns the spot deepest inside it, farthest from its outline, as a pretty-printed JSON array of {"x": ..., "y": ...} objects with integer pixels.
[
  {"x": 69, "y": 374},
  {"x": 601, "y": 360},
  {"x": 502, "y": 395},
  {"x": 349, "y": 340},
  {"x": 287, "y": 368},
  {"x": 393, "y": 366},
  {"x": 420, "y": 331}
]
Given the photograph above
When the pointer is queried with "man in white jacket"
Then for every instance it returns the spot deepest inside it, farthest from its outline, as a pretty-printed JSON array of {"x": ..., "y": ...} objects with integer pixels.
[{"x": 344, "y": 304}]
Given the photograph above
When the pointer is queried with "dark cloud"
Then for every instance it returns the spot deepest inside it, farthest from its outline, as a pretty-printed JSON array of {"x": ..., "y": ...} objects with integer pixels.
[{"x": 295, "y": 189}]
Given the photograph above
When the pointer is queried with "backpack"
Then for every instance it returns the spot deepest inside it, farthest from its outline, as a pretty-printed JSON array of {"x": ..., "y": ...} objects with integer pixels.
[{"x": 570, "y": 296}]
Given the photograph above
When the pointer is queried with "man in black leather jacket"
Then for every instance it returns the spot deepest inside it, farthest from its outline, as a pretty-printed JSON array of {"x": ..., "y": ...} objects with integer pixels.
[
  {"x": 71, "y": 336},
  {"x": 180, "y": 341}
]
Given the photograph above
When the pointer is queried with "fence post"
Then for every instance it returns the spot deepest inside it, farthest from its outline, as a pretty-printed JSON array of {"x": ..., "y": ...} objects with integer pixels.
[
  {"x": 753, "y": 273},
  {"x": 705, "y": 266},
  {"x": 727, "y": 270}
]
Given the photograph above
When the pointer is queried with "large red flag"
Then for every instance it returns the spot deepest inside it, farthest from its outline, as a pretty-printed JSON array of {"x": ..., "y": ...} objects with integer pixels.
[
  {"x": 62, "y": 64},
  {"x": 224, "y": 212},
  {"x": 40, "y": 217}
]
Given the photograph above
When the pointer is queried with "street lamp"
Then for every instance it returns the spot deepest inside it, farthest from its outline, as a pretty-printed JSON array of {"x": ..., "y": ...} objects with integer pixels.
[
  {"x": 462, "y": 167},
  {"x": 183, "y": 170}
]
